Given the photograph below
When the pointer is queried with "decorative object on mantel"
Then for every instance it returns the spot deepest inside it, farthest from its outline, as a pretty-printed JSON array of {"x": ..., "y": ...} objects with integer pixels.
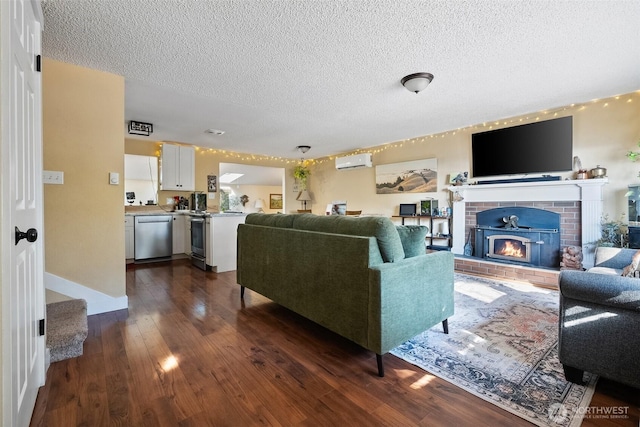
[
  {"x": 580, "y": 172},
  {"x": 458, "y": 179},
  {"x": 598, "y": 172},
  {"x": 571, "y": 258}
]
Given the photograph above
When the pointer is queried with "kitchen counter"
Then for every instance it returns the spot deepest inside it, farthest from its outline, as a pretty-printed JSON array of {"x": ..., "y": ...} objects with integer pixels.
[
  {"x": 222, "y": 229},
  {"x": 160, "y": 211}
]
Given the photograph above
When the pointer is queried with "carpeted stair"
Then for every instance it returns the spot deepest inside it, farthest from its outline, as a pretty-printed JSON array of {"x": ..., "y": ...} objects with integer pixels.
[{"x": 66, "y": 329}]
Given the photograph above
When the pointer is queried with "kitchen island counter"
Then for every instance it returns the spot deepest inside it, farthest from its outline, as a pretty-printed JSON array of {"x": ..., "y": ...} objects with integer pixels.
[{"x": 222, "y": 231}]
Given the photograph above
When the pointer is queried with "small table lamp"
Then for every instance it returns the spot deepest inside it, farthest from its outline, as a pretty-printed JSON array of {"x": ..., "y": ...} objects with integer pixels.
[
  {"x": 304, "y": 197},
  {"x": 260, "y": 205}
]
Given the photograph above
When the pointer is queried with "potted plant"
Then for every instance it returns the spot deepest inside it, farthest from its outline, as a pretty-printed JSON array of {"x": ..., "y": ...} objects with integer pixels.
[
  {"x": 301, "y": 173},
  {"x": 612, "y": 233}
]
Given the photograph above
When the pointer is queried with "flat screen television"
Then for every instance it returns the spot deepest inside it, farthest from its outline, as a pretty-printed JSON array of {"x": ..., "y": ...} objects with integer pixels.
[{"x": 539, "y": 147}]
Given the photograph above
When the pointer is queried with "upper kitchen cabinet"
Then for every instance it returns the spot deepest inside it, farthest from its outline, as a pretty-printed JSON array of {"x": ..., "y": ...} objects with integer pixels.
[{"x": 177, "y": 168}]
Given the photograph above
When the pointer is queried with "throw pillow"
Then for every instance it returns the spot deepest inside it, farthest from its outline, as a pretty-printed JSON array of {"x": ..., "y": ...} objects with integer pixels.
[
  {"x": 412, "y": 238},
  {"x": 629, "y": 270}
]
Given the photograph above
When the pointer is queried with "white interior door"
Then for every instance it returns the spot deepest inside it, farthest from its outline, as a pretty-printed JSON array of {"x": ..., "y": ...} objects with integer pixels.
[{"x": 22, "y": 254}]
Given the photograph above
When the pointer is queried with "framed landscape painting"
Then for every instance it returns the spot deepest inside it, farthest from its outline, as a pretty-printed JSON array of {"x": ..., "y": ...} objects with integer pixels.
[
  {"x": 275, "y": 201},
  {"x": 417, "y": 176}
]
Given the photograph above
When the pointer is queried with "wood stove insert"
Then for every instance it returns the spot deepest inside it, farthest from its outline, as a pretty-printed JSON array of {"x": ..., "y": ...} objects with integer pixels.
[{"x": 518, "y": 235}]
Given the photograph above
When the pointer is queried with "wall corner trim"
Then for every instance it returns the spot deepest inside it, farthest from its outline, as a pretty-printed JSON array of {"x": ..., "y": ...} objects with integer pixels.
[{"x": 97, "y": 302}]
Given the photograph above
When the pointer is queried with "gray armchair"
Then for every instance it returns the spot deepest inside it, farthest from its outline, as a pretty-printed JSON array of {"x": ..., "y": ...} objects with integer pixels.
[{"x": 599, "y": 329}]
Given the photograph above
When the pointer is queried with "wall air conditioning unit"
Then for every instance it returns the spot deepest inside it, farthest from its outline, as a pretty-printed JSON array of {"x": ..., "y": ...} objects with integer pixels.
[{"x": 356, "y": 161}]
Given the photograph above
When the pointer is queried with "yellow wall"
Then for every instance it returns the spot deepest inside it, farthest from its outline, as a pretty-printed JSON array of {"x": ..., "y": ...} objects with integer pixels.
[
  {"x": 83, "y": 122},
  {"x": 603, "y": 132}
]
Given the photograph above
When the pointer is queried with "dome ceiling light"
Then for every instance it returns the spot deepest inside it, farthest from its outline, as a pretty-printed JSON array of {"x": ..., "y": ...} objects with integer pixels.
[{"x": 417, "y": 81}]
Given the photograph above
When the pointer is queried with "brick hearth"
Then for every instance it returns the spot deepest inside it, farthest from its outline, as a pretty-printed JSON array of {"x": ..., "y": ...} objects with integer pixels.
[{"x": 537, "y": 276}]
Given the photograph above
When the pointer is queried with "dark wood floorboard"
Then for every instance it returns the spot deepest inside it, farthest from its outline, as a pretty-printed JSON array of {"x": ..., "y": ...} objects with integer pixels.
[{"x": 189, "y": 352}]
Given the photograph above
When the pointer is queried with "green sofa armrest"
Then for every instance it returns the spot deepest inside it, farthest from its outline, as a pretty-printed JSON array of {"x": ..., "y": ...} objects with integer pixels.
[{"x": 409, "y": 297}]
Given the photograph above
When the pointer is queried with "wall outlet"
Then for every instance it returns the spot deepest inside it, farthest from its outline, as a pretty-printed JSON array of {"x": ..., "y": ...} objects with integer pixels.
[
  {"x": 53, "y": 177},
  {"x": 114, "y": 178}
]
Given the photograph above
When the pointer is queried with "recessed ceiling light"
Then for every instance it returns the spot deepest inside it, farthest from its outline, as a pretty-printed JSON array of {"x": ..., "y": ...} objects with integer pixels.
[{"x": 214, "y": 131}]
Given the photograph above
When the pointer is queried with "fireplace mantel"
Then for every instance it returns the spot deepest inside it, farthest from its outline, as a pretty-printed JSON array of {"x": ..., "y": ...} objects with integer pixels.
[{"x": 586, "y": 191}]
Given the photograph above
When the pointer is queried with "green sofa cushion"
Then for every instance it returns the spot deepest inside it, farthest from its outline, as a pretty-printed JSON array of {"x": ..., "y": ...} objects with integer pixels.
[
  {"x": 382, "y": 228},
  {"x": 413, "y": 239},
  {"x": 270, "y": 220}
]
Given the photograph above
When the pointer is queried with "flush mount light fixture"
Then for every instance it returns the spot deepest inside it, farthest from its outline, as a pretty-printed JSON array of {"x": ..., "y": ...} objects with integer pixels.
[
  {"x": 303, "y": 148},
  {"x": 417, "y": 81},
  {"x": 140, "y": 128},
  {"x": 214, "y": 131}
]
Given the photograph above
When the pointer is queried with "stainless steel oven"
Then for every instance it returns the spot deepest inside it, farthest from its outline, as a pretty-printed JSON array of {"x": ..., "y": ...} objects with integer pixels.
[{"x": 198, "y": 241}]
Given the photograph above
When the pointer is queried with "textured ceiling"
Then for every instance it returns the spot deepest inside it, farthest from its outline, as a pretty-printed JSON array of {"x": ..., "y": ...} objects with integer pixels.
[{"x": 277, "y": 74}]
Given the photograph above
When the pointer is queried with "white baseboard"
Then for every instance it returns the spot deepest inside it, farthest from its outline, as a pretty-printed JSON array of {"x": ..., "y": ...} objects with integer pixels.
[{"x": 97, "y": 302}]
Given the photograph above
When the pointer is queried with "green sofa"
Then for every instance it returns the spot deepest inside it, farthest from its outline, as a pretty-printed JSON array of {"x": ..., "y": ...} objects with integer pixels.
[{"x": 363, "y": 278}]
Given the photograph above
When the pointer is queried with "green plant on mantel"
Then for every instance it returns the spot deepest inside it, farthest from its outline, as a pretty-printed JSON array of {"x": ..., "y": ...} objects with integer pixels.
[{"x": 302, "y": 173}]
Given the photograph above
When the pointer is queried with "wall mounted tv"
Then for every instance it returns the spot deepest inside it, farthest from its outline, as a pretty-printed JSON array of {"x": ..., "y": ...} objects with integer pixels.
[{"x": 539, "y": 147}]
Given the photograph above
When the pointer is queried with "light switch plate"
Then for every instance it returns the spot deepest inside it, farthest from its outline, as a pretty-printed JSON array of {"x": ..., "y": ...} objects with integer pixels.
[
  {"x": 53, "y": 177},
  {"x": 114, "y": 178}
]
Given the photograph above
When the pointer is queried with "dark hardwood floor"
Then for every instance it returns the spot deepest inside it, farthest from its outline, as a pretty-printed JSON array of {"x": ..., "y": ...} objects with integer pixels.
[{"x": 189, "y": 353}]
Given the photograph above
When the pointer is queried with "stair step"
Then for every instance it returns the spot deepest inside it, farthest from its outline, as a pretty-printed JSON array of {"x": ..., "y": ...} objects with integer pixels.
[{"x": 67, "y": 328}]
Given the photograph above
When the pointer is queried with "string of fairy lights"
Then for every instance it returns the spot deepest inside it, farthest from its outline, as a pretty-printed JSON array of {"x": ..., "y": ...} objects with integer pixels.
[{"x": 527, "y": 118}]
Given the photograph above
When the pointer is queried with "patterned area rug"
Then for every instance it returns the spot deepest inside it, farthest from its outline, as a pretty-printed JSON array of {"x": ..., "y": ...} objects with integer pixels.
[{"x": 502, "y": 347}]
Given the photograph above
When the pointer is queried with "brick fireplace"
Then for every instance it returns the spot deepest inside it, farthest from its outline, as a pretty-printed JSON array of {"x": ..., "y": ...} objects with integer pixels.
[{"x": 578, "y": 202}]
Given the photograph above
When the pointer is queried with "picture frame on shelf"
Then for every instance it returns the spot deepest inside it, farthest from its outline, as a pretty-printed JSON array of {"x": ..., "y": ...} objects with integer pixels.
[{"x": 429, "y": 207}]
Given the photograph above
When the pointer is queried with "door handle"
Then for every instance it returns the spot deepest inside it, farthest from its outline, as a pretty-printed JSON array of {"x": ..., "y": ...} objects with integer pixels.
[{"x": 31, "y": 235}]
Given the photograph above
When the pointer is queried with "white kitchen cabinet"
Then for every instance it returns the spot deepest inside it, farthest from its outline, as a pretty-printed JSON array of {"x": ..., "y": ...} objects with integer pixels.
[
  {"x": 177, "y": 167},
  {"x": 179, "y": 231},
  {"x": 128, "y": 237}
]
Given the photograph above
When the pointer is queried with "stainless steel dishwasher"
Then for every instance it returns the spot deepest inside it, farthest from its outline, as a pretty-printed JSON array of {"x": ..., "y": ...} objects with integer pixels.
[{"x": 153, "y": 237}]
